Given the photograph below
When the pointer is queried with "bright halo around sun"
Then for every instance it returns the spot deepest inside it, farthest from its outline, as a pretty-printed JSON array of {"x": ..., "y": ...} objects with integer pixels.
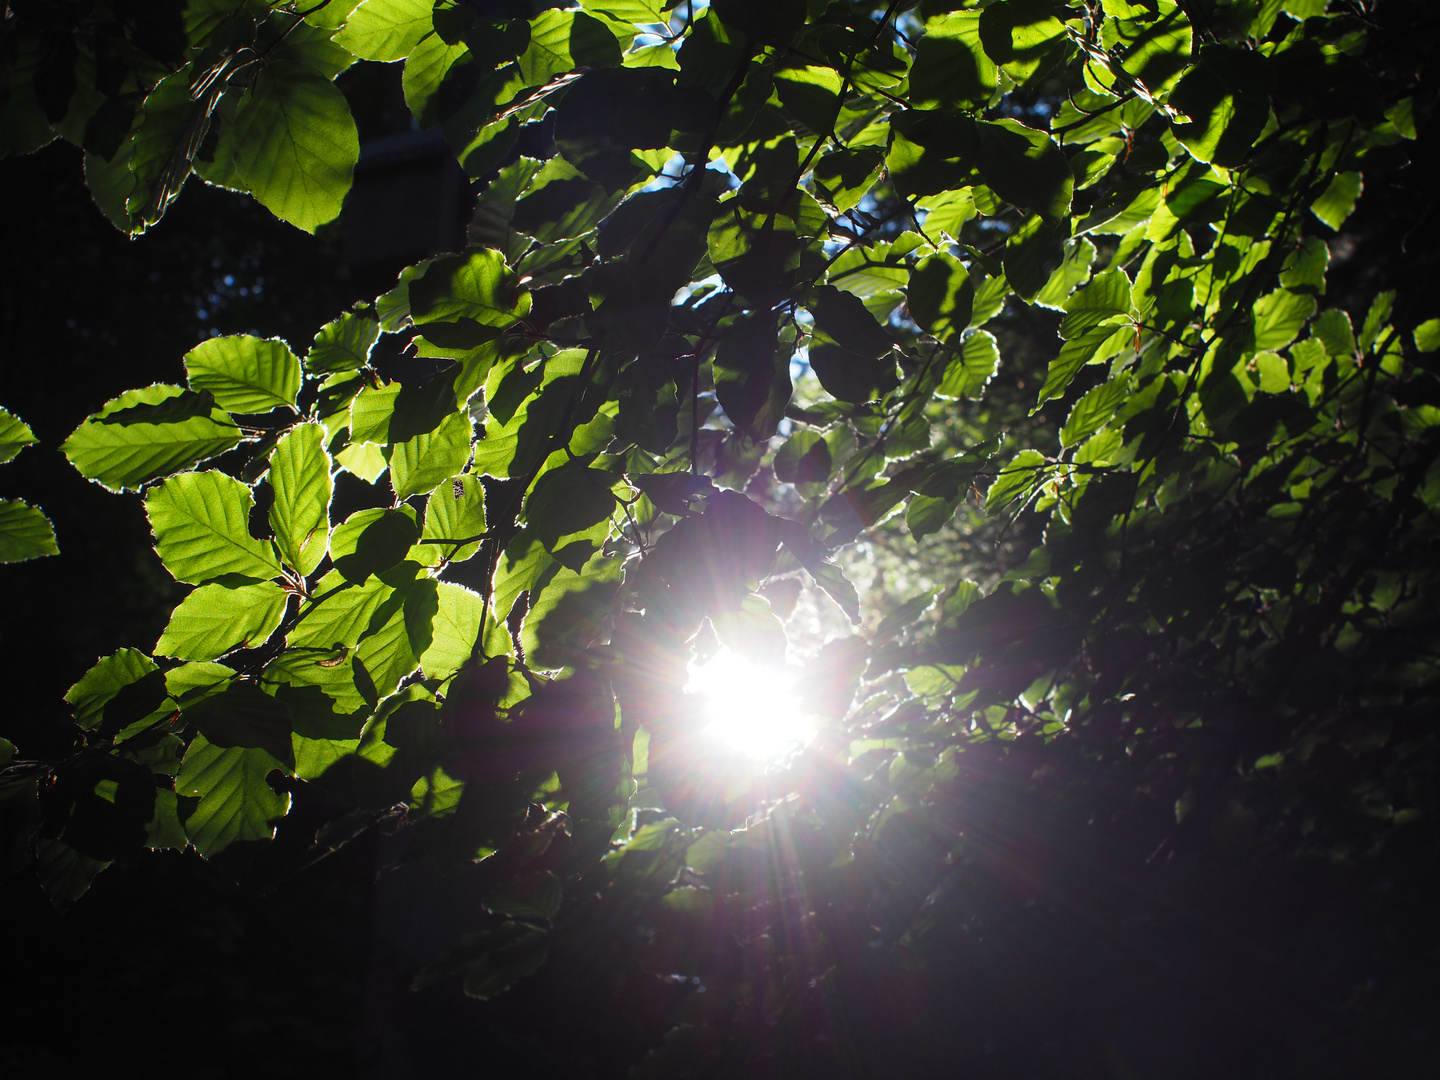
[{"x": 751, "y": 707}]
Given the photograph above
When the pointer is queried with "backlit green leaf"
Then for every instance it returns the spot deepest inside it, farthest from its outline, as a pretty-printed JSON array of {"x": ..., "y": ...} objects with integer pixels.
[
  {"x": 561, "y": 41},
  {"x": 296, "y": 144},
  {"x": 236, "y": 804},
  {"x": 201, "y": 526},
  {"x": 138, "y": 436},
  {"x": 474, "y": 290},
  {"x": 106, "y": 678},
  {"x": 1015, "y": 480},
  {"x": 419, "y": 463},
  {"x": 1336, "y": 204},
  {"x": 1090, "y": 347},
  {"x": 15, "y": 435},
  {"x": 386, "y": 30},
  {"x": 214, "y": 619},
  {"x": 372, "y": 541},
  {"x": 951, "y": 66},
  {"x": 1427, "y": 336},
  {"x": 1093, "y": 411},
  {"x": 245, "y": 374},
  {"x": 941, "y": 296},
  {"x": 455, "y": 511},
  {"x": 242, "y": 714},
  {"x": 343, "y": 345},
  {"x": 425, "y": 69},
  {"x": 972, "y": 367},
  {"x": 300, "y": 481},
  {"x": 453, "y": 631},
  {"x": 25, "y": 532}
]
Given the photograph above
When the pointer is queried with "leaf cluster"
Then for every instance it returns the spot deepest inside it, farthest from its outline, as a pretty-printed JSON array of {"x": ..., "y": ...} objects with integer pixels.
[{"x": 726, "y": 316}]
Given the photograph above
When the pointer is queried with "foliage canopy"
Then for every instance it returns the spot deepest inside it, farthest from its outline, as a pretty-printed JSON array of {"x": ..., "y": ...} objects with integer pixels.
[{"x": 723, "y": 316}]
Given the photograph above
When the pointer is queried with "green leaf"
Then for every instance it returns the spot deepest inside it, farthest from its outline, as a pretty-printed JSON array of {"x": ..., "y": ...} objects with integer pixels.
[
  {"x": 1304, "y": 269},
  {"x": 1079, "y": 254},
  {"x": 168, "y": 131},
  {"x": 145, "y": 434},
  {"x": 1106, "y": 297},
  {"x": 567, "y": 613},
  {"x": 236, "y": 804},
  {"x": 1093, "y": 411},
  {"x": 1033, "y": 252},
  {"x": 371, "y": 541},
  {"x": 561, "y": 41},
  {"x": 972, "y": 367},
  {"x": 15, "y": 435},
  {"x": 1020, "y": 34},
  {"x": 300, "y": 513},
  {"x": 815, "y": 558},
  {"x": 811, "y": 93},
  {"x": 65, "y": 874},
  {"x": 245, "y": 374},
  {"x": 425, "y": 70},
  {"x": 951, "y": 67},
  {"x": 1336, "y": 204},
  {"x": 453, "y": 631},
  {"x": 25, "y": 532},
  {"x": 363, "y": 459},
  {"x": 296, "y": 144},
  {"x": 1279, "y": 317},
  {"x": 928, "y": 514},
  {"x": 1090, "y": 347},
  {"x": 108, "y": 676},
  {"x": 1427, "y": 336},
  {"x": 384, "y": 652},
  {"x": 454, "y": 511},
  {"x": 386, "y": 30},
  {"x": 200, "y": 521},
  {"x": 1025, "y": 167},
  {"x": 214, "y": 619},
  {"x": 339, "y": 614},
  {"x": 343, "y": 345},
  {"x": 1226, "y": 100},
  {"x": 947, "y": 213},
  {"x": 1333, "y": 328},
  {"x": 844, "y": 177},
  {"x": 568, "y": 500},
  {"x": 166, "y": 830},
  {"x": 1017, "y": 478},
  {"x": 1376, "y": 319},
  {"x": 752, "y": 373},
  {"x": 640, "y": 12},
  {"x": 472, "y": 292},
  {"x": 244, "y": 715},
  {"x": 421, "y": 462},
  {"x": 941, "y": 296}
]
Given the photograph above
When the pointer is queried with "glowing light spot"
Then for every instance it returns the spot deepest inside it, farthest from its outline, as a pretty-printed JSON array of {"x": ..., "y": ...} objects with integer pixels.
[{"x": 752, "y": 707}]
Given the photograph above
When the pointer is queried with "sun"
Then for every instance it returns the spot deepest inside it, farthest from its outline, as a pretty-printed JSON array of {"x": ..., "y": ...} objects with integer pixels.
[{"x": 752, "y": 707}]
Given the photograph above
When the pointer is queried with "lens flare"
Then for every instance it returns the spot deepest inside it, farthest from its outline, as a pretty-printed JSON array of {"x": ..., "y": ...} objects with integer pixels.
[{"x": 752, "y": 707}]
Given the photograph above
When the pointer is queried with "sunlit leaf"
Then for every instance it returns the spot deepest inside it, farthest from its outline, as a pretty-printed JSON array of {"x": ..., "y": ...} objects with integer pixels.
[
  {"x": 214, "y": 619},
  {"x": 300, "y": 482},
  {"x": 236, "y": 803},
  {"x": 25, "y": 532},
  {"x": 386, "y": 30},
  {"x": 245, "y": 374},
  {"x": 15, "y": 435},
  {"x": 343, "y": 345},
  {"x": 201, "y": 526},
  {"x": 145, "y": 434},
  {"x": 296, "y": 144}
]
